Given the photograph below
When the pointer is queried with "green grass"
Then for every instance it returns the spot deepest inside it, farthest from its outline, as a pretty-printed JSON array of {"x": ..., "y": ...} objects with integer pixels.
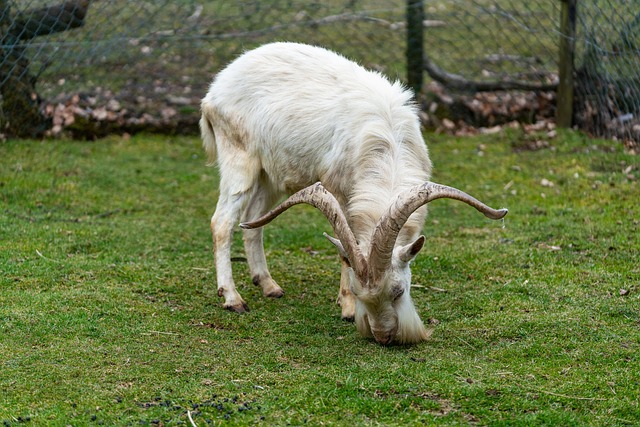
[{"x": 109, "y": 315}]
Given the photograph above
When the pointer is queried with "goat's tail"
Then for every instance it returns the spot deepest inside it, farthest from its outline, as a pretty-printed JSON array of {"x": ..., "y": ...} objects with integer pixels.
[{"x": 208, "y": 134}]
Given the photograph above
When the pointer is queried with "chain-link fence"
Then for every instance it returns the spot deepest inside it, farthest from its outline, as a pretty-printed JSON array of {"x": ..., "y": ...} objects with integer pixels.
[
  {"x": 607, "y": 85},
  {"x": 100, "y": 66},
  {"x": 90, "y": 67},
  {"x": 491, "y": 62}
]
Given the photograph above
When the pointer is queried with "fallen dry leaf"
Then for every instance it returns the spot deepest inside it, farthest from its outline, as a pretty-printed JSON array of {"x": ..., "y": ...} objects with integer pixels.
[{"x": 549, "y": 247}]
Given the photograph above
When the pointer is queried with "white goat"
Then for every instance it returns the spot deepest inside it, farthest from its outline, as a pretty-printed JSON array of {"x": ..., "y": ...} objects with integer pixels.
[{"x": 284, "y": 116}]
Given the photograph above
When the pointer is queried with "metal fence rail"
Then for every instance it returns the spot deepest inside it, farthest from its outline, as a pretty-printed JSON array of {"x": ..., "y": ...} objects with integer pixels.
[{"x": 90, "y": 67}]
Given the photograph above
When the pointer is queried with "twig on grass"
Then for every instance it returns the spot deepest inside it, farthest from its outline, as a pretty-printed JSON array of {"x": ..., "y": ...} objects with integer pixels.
[
  {"x": 48, "y": 217},
  {"x": 191, "y": 419},
  {"x": 566, "y": 396},
  {"x": 161, "y": 333},
  {"x": 44, "y": 257},
  {"x": 572, "y": 397},
  {"x": 466, "y": 343},
  {"x": 106, "y": 214}
]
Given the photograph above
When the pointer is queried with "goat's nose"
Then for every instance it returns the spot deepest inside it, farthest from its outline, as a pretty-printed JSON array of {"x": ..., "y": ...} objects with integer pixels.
[
  {"x": 387, "y": 340},
  {"x": 383, "y": 338}
]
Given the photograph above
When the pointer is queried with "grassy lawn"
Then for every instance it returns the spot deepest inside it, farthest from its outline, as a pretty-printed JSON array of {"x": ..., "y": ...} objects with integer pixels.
[{"x": 109, "y": 314}]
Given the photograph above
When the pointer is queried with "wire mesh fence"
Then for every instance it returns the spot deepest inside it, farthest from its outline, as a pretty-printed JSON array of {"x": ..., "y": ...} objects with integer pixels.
[
  {"x": 607, "y": 86},
  {"x": 91, "y": 67},
  {"x": 495, "y": 40},
  {"x": 494, "y": 61},
  {"x": 96, "y": 69}
]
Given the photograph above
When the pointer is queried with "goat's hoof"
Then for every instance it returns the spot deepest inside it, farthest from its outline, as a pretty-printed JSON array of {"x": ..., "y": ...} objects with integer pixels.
[
  {"x": 273, "y": 293},
  {"x": 238, "y": 308},
  {"x": 269, "y": 286}
]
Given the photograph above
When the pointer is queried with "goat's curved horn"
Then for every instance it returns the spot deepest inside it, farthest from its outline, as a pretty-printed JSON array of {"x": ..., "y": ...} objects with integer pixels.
[
  {"x": 391, "y": 222},
  {"x": 318, "y": 196}
]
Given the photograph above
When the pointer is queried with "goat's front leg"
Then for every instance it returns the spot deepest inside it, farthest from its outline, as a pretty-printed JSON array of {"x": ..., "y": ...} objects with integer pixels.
[
  {"x": 254, "y": 247},
  {"x": 222, "y": 224},
  {"x": 346, "y": 299},
  {"x": 258, "y": 264}
]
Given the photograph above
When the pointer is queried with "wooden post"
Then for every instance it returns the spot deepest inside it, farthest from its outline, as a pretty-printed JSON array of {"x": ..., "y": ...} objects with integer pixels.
[
  {"x": 415, "y": 44},
  {"x": 564, "y": 98}
]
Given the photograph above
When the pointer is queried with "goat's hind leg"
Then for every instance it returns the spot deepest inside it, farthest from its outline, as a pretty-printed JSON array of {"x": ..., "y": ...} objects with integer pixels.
[
  {"x": 259, "y": 203},
  {"x": 223, "y": 222},
  {"x": 238, "y": 177}
]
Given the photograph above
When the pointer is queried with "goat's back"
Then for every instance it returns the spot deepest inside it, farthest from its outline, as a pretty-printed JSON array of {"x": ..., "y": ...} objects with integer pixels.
[{"x": 306, "y": 111}]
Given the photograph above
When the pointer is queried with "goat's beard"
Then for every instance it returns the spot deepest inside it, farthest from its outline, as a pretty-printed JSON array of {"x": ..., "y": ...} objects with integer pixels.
[
  {"x": 362, "y": 320},
  {"x": 411, "y": 330}
]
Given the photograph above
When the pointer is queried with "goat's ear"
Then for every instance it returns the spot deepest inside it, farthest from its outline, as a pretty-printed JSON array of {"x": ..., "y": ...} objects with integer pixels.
[
  {"x": 409, "y": 252},
  {"x": 338, "y": 244}
]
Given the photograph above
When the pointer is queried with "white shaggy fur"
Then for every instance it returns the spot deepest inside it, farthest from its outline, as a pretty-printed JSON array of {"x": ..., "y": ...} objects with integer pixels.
[{"x": 284, "y": 116}]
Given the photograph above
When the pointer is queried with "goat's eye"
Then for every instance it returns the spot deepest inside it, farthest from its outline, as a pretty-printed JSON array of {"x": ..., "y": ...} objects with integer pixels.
[{"x": 396, "y": 293}]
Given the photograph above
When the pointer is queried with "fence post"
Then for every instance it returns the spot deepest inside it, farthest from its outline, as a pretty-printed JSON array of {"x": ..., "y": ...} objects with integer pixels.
[
  {"x": 415, "y": 45},
  {"x": 564, "y": 98}
]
